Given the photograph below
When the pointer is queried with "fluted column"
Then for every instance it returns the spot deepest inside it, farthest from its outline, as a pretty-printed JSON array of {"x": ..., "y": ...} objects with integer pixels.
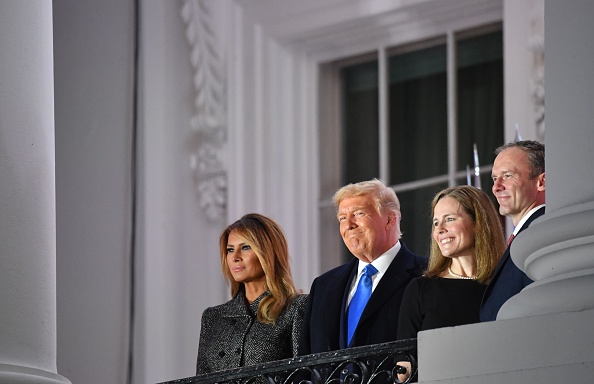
[
  {"x": 557, "y": 252},
  {"x": 27, "y": 195}
]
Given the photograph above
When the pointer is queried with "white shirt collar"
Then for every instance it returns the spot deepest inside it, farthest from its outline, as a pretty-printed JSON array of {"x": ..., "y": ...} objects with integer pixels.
[
  {"x": 523, "y": 220},
  {"x": 382, "y": 262}
]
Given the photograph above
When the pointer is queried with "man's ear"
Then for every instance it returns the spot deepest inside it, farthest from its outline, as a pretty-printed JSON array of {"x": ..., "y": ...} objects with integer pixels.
[
  {"x": 392, "y": 217},
  {"x": 540, "y": 183}
]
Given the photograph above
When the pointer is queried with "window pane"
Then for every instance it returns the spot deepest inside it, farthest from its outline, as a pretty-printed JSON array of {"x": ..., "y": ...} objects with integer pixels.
[
  {"x": 418, "y": 114},
  {"x": 486, "y": 182},
  {"x": 360, "y": 159},
  {"x": 480, "y": 97},
  {"x": 416, "y": 218}
]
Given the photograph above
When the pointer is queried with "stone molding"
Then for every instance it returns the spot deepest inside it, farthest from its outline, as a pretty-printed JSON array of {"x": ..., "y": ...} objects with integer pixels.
[
  {"x": 208, "y": 128},
  {"x": 557, "y": 254}
]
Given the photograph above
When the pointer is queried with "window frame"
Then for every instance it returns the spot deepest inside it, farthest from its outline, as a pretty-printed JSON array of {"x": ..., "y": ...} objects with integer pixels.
[{"x": 330, "y": 76}]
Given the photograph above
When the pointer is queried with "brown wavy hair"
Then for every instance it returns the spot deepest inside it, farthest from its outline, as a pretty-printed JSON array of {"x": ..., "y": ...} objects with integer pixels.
[
  {"x": 489, "y": 242},
  {"x": 267, "y": 240}
]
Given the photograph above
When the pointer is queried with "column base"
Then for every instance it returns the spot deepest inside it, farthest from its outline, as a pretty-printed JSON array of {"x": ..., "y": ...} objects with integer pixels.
[
  {"x": 557, "y": 252},
  {"x": 14, "y": 374}
]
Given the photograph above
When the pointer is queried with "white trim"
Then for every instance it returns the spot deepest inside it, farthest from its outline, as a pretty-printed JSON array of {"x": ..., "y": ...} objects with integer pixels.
[
  {"x": 452, "y": 108},
  {"x": 259, "y": 115},
  {"x": 309, "y": 233},
  {"x": 236, "y": 130},
  {"x": 383, "y": 118},
  {"x": 398, "y": 28}
]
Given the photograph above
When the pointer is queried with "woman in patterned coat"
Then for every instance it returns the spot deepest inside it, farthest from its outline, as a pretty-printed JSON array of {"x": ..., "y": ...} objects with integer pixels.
[{"x": 263, "y": 320}]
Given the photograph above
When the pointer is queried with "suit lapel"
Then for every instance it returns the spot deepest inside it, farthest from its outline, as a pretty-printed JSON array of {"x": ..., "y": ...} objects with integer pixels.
[
  {"x": 539, "y": 212},
  {"x": 346, "y": 282},
  {"x": 395, "y": 278},
  {"x": 506, "y": 254},
  {"x": 500, "y": 264}
]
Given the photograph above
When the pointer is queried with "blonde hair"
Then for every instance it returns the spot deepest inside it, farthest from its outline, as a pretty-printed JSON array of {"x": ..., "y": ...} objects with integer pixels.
[
  {"x": 489, "y": 242},
  {"x": 384, "y": 198},
  {"x": 268, "y": 242}
]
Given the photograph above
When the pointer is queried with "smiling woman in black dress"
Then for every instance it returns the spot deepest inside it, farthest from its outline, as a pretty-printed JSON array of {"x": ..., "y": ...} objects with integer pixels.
[{"x": 467, "y": 241}]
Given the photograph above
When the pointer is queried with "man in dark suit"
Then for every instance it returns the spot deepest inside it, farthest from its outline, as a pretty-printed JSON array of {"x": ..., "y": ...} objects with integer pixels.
[
  {"x": 519, "y": 186},
  {"x": 369, "y": 219}
]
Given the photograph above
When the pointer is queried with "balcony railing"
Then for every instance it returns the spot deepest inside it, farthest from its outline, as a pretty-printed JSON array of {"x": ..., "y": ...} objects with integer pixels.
[{"x": 372, "y": 364}]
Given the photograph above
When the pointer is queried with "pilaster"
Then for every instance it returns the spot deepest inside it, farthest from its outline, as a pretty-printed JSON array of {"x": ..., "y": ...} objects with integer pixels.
[{"x": 27, "y": 195}]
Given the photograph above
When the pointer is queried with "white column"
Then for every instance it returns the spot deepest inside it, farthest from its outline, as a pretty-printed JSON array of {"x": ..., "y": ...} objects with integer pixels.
[
  {"x": 27, "y": 195},
  {"x": 558, "y": 250}
]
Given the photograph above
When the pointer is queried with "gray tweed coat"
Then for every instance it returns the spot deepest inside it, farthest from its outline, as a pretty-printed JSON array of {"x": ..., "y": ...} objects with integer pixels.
[{"x": 231, "y": 336}]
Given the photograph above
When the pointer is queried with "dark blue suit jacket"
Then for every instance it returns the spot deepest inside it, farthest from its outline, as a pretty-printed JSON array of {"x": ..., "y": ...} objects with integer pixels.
[
  {"x": 324, "y": 326},
  {"x": 507, "y": 281}
]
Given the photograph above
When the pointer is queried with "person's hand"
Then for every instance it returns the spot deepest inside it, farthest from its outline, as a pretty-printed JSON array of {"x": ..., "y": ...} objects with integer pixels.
[{"x": 403, "y": 371}]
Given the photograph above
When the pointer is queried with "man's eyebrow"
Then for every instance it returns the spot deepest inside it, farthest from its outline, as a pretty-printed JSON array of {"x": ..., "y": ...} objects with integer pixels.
[
  {"x": 346, "y": 210},
  {"x": 354, "y": 208}
]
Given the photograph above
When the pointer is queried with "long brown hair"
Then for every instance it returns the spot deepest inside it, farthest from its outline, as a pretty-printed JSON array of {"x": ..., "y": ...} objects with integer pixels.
[
  {"x": 489, "y": 242},
  {"x": 267, "y": 240}
]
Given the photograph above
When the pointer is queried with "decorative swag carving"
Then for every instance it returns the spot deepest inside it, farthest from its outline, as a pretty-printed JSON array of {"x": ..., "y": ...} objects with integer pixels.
[{"x": 208, "y": 124}]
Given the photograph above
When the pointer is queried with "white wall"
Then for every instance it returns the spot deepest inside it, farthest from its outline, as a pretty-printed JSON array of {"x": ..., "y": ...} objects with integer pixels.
[
  {"x": 523, "y": 34},
  {"x": 179, "y": 269},
  {"x": 176, "y": 257},
  {"x": 273, "y": 144},
  {"x": 93, "y": 99}
]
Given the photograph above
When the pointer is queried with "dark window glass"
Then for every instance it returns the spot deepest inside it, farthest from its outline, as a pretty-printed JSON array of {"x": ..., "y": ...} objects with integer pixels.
[
  {"x": 480, "y": 98},
  {"x": 418, "y": 114},
  {"x": 360, "y": 159},
  {"x": 418, "y": 122},
  {"x": 415, "y": 225}
]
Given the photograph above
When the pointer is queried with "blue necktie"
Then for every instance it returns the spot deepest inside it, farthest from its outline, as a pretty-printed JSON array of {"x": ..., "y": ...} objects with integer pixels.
[{"x": 360, "y": 299}]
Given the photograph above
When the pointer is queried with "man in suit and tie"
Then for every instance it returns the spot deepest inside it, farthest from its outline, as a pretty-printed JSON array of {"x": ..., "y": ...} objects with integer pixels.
[
  {"x": 358, "y": 303},
  {"x": 519, "y": 186}
]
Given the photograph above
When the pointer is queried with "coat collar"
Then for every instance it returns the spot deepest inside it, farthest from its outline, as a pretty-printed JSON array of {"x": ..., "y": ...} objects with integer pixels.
[{"x": 239, "y": 307}]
